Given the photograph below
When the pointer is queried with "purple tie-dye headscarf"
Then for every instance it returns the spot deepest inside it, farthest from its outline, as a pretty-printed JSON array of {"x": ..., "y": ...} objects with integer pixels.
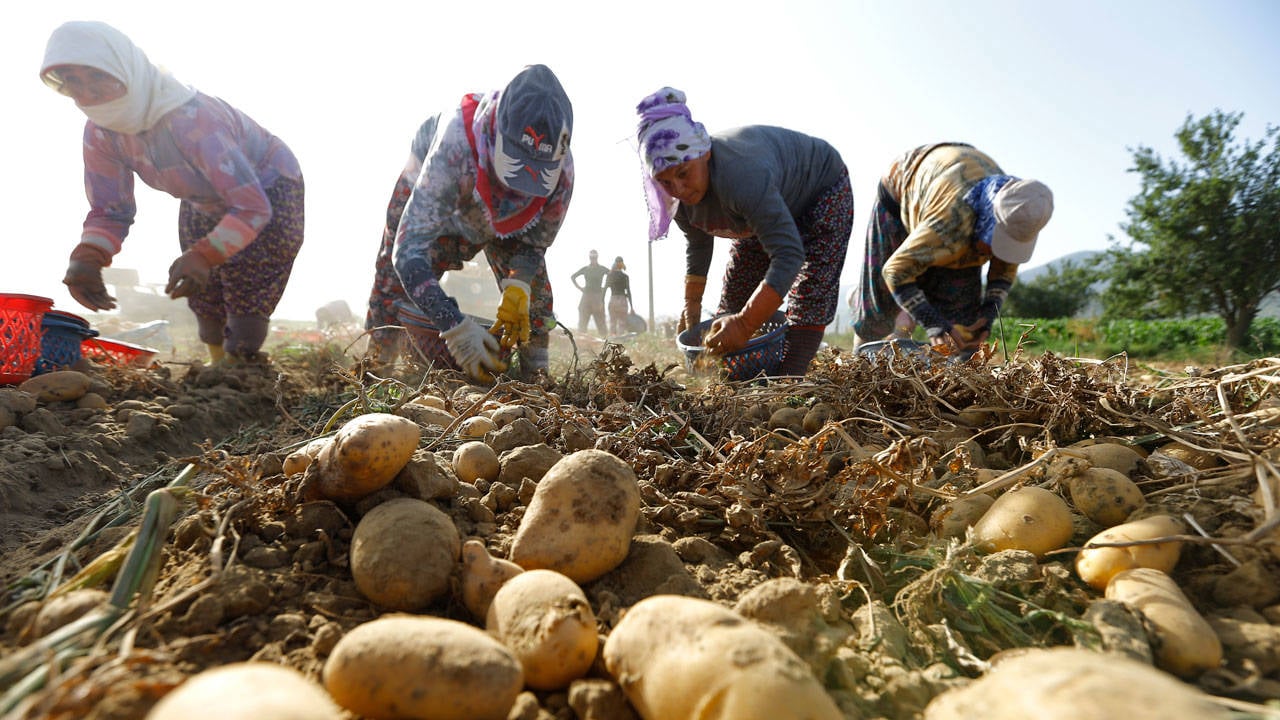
[{"x": 668, "y": 136}]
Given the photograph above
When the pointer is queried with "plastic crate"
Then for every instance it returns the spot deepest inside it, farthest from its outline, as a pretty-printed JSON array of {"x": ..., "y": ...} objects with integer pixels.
[
  {"x": 425, "y": 337},
  {"x": 20, "y": 318},
  {"x": 61, "y": 335},
  {"x": 117, "y": 352},
  {"x": 760, "y": 356}
]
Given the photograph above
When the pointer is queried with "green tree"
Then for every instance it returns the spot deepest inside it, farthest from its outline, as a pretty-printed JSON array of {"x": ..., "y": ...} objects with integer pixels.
[
  {"x": 1061, "y": 291},
  {"x": 1205, "y": 230}
]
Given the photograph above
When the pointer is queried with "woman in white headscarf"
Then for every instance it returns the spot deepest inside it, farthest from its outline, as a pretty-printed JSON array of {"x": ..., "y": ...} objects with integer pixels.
[{"x": 240, "y": 220}]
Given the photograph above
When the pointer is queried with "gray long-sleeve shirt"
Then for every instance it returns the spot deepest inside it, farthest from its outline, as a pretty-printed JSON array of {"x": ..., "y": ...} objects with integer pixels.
[{"x": 761, "y": 178}]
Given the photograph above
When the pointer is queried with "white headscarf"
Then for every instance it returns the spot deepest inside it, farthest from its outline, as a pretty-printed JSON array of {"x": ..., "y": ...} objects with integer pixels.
[{"x": 150, "y": 91}]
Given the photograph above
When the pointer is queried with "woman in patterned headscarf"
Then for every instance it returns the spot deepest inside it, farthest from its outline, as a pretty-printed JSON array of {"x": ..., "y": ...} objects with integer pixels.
[
  {"x": 782, "y": 198},
  {"x": 942, "y": 212},
  {"x": 240, "y": 221},
  {"x": 493, "y": 174}
]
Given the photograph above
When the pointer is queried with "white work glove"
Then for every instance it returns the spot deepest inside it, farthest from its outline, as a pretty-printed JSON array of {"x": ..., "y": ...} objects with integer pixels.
[{"x": 474, "y": 349}]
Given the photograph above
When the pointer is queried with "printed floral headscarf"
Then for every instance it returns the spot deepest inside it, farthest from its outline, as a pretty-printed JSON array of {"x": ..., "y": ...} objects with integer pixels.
[
  {"x": 152, "y": 91},
  {"x": 668, "y": 136}
]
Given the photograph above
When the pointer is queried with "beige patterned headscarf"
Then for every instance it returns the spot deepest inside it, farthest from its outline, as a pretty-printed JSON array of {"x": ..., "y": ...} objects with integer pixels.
[{"x": 151, "y": 91}]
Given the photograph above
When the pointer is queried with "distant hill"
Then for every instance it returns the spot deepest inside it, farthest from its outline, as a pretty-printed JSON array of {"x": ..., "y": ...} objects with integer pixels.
[
  {"x": 1078, "y": 258},
  {"x": 1270, "y": 304}
]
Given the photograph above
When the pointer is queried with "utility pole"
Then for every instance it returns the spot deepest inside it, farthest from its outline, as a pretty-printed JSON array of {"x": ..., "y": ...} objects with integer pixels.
[{"x": 652, "y": 328}]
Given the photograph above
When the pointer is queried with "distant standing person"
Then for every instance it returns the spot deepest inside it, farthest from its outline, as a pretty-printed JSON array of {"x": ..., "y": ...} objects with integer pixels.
[
  {"x": 495, "y": 174},
  {"x": 941, "y": 213},
  {"x": 620, "y": 306},
  {"x": 782, "y": 198},
  {"x": 591, "y": 305},
  {"x": 240, "y": 219}
]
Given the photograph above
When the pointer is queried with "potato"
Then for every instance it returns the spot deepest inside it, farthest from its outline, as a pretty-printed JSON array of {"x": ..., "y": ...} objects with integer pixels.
[
  {"x": 679, "y": 657},
  {"x": 298, "y": 460},
  {"x": 482, "y": 575},
  {"x": 57, "y": 386},
  {"x": 954, "y": 518},
  {"x": 59, "y": 610},
  {"x": 546, "y": 620},
  {"x": 438, "y": 403},
  {"x": 1096, "y": 566},
  {"x": 247, "y": 691},
  {"x": 1187, "y": 645},
  {"x": 403, "y": 553},
  {"x": 1027, "y": 518},
  {"x": 1121, "y": 458},
  {"x": 366, "y": 454},
  {"x": 506, "y": 414},
  {"x": 788, "y": 418},
  {"x": 426, "y": 414},
  {"x": 476, "y": 427},
  {"x": 1105, "y": 496},
  {"x": 1065, "y": 683},
  {"x": 581, "y": 517},
  {"x": 424, "y": 668},
  {"x": 475, "y": 461},
  {"x": 1198, "y": 459},
  {"x": 818, "y": 416}
]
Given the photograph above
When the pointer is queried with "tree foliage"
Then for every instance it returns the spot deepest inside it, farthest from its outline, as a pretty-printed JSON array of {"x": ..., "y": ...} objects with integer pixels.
[
  {"x": 1205, "y": 229},
  {"x": 1062, "y": 291}
]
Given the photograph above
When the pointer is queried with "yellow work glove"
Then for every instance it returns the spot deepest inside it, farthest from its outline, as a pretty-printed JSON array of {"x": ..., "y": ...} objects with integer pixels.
[{"x": 512, "y": 325}]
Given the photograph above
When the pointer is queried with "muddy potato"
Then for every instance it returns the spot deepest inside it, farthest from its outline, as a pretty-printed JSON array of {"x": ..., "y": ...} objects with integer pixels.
[
  {"x": 581, "y": 517},
  {"x": 298, "y": 460},
  {"x": 1187, "y": 644},
  {"x": 475, "y": 460},
  {"x": 954, "y": 518},
  {"x": 403, "y": 552},
  {"x": 1105, "y": 496},
  {"x": 482, "y": 575},
  {"x": 788, "y": 418},
  {"x": 1065, "y": 683},
  {"x": 426, "y": 414},
  {"x": 434, "y": 401},
  {"x": 63, "y": 609},
  {"x": 1027, "y": 518},
  {"x": 424, "y": 668},
  {"x": 545, "y": 619},
  {"x": 247, "y": 691},
  {"x": 682, "y": 657},
  {"x": 506, "y": 414},
  {"x": 366, "y": 454},
  {"x": 1097, "y": 565},
  {"x": 818, "y": 416},
  {"x": 57, "y": 386},
  {"x": 476, "y": 427},
  {"x": 1198, "y": 459},
  {"x": 1121, "y": 458}
]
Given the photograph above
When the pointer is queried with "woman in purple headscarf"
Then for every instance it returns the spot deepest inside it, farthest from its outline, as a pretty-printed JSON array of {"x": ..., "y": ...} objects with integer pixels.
[{"x": 781, "y": 197}]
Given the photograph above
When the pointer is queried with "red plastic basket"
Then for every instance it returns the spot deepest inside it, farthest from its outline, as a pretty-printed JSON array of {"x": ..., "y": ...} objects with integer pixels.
[
  {"x": 20, "y": 333},
  {"x": 116, "y": 352}
]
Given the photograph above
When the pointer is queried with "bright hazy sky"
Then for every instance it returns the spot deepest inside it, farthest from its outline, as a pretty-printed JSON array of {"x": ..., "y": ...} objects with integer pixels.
[{"x": 1058, "y": 91}]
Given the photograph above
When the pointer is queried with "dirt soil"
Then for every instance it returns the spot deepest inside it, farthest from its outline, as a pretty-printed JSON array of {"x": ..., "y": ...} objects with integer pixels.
[{"x": 813, "y": 505}]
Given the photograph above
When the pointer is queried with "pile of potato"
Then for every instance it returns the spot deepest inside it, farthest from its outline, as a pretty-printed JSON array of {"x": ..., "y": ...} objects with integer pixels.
[
  {"x": 534, "y": 629},
  {"x": 1096, "y": 477}
]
